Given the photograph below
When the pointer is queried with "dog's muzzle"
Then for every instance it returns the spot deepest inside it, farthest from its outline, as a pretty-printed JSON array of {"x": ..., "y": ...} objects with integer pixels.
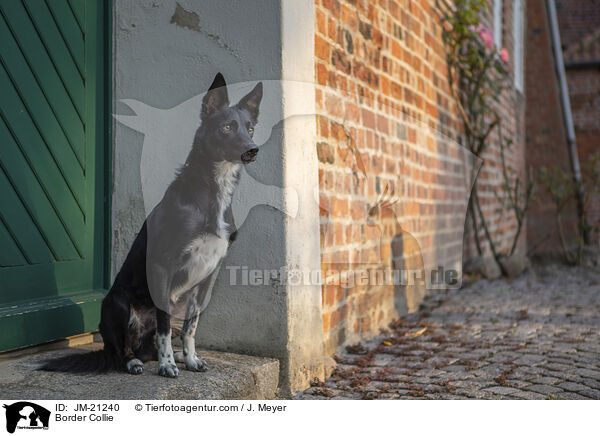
[{"x": 250, "y": 155}]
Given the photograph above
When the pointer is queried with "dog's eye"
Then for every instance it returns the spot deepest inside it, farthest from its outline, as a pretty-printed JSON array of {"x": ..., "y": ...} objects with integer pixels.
[
  {"x": 251, "y": 130},
  {"x": 226, "y": 127}
]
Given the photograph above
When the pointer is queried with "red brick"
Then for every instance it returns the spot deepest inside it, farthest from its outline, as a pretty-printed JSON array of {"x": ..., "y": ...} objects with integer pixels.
[
  {"x": 368, "y": 118},
  {"x": 321, "y": 48},
  {"x": 339, "y": 208},
  {"x": 349, "y": 18},
  {"x": 333, "y": 6},
  {"x": 322, "y": 74}
]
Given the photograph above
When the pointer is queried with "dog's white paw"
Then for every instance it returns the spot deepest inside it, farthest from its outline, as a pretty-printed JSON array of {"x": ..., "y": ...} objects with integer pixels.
[
  {"x": 135, "y": 366},
  {"x": 196, "y": 364},
  {"x": 168, "y": 370}
]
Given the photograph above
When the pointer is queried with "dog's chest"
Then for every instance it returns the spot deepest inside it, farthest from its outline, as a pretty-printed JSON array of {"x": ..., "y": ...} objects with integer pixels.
[{"x": 201, "y": 257}]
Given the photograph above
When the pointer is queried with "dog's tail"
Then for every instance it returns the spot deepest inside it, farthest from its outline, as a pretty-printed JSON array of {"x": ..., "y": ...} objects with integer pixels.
[{"x": 89, "y": 362}]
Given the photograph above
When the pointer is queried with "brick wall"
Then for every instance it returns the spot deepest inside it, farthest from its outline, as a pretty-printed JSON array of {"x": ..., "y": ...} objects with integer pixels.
[
  {"x": 576, "y": 19},
  {"x": 391, "y": 173},
  {"x": 584, "y": 94},
  {"x": 546, "y": 137},
  {"x": 582, "y": 57}
]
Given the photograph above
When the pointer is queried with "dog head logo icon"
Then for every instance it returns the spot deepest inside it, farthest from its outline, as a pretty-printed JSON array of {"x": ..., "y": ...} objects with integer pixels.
[{"x": 24, "y": 414}]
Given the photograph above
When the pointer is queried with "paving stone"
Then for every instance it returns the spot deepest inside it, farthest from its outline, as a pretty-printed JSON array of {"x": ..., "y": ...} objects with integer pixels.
[
  {"x": 526, "y": 395},
  {"x": 517, "y": 383},
  {"x": 591, "y": 393},
  {"x": 575, "y": 387},
  {"x": 544, "y": 389},
  {"x": 443, "y": 396},
  {"x": 450, "y": 376},
  {"x": 557, "y": 366},
  {"x": 569, "y": 396},
  {"x": 430, "y": 373},
  {"x": 568, "y": 362},
  {"x": 479, "y": 349},
  {"x": 587, "y": 373},
  {"x": 480, "y": 395},
  {"x": 545, "y": 380},
  {"x": 592, "y": 384},
  {"x": 501, "y": 390},
  {"x": 470, "y": 384},
  {"x": 529, "y": 359},
  {"x": 454, "y": 368},
  {"x": 382, "y": 359},
  {"x": 556, "y": 374}
]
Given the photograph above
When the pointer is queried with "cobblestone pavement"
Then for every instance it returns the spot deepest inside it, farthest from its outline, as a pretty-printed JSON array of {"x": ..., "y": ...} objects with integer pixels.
[{"x": 535, "y": 338}]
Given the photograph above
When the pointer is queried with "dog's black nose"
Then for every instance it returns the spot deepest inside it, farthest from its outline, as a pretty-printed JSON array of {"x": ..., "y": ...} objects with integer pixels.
[{"x": 250, "y": 155}]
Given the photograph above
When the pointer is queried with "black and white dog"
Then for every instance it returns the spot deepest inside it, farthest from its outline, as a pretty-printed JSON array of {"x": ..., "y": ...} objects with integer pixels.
[{"x": 174, "y": 259}]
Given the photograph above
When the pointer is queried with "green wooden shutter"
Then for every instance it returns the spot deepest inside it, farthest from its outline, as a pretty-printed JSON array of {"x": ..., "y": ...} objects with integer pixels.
[{"x": 53, "y": 239}]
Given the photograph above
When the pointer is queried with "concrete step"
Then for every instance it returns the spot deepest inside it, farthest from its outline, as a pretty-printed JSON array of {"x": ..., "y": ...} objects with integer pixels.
[{"x": 230, "y": 376}]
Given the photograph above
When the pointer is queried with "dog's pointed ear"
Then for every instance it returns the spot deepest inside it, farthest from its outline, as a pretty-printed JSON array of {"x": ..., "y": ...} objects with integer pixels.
[
  {"x": 216, "y": 98},
  {"x": 251, "y": 101}
]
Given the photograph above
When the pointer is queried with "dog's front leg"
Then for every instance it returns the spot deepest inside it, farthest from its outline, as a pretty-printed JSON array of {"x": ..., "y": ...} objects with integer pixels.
[
  {"x": 198, "y": 301},
  {"x": 166, "y": 361},
  {"x": 188, "y": 339},
  {"x": 188, "y": 335}
]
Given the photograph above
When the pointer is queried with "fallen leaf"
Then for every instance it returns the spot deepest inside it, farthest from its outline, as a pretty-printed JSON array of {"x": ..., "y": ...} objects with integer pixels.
[{"x": 417, "y": 333}]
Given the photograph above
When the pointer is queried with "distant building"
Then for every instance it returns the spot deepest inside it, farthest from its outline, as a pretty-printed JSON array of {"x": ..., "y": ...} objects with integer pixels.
[{"x": 579, "y": 25}]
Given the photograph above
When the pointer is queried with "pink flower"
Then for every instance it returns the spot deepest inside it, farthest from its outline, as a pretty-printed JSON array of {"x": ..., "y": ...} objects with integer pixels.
[
  {"x": 488, "y": 40},
  {"x": 504, "y": 55},
  {"x": 486, "y": 36},
  {"x": 472, "y": 29}
]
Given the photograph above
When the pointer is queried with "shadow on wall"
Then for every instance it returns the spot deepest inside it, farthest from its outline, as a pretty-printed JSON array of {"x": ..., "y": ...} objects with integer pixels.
[
  {"x": 380, "y": 265},
  {"x": 407, "y": 256}
]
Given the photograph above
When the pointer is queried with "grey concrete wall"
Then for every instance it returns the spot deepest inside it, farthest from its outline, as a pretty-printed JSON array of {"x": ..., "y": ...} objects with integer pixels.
[
  {"x": 162, "y": 57},
  {"x": 167, "y": 52}
]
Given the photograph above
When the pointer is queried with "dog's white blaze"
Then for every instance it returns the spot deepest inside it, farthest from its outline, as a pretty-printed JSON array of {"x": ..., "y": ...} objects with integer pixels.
[
  {"x": 226, "y": 175},
  {"x": 206, "y": 251}
]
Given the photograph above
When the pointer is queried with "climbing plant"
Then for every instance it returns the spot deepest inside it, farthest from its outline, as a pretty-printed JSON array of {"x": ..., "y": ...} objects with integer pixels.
[
  {"x": 560, "y": 187},
  {"x": 478, "y": 74}
]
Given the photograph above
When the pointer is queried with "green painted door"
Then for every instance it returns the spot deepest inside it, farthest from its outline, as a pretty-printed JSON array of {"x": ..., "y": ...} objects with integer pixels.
[{"x": 53, "y": 235}]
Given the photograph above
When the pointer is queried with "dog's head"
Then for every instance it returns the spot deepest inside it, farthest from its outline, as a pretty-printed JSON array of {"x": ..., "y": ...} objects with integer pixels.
[{"x": 228, "y": 130}]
